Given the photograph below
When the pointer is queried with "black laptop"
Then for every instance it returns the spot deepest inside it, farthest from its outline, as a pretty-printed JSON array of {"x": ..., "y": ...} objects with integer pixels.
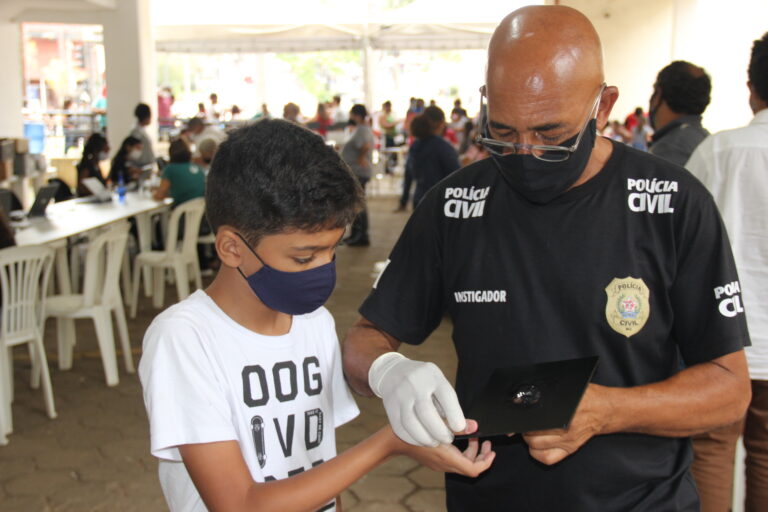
[{"x": 44, "y": 196}]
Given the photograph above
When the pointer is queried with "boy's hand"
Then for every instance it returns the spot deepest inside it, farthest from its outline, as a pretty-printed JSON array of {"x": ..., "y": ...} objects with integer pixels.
[{"x": 447, "y": 458}]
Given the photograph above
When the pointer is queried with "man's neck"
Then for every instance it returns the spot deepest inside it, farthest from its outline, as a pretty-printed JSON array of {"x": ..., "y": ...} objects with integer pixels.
[
  {"x": 597, "y": 160},
  {"x": 230, "y": 291}
]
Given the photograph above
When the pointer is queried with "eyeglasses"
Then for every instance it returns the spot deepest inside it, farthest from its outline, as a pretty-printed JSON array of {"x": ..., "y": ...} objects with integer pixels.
[{"x": 547, "y": 153}]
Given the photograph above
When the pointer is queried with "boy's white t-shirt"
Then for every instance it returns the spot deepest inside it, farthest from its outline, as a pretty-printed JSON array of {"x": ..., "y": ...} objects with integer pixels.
[{"x": 206, "y": 378}]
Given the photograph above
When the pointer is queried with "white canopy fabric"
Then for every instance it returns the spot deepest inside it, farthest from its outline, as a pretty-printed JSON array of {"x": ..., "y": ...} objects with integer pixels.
[{"x": 196, "y": 26}]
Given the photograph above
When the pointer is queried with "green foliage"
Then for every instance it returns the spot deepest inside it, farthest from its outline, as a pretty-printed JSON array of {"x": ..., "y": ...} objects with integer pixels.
[{"x": 316, "y": 71}]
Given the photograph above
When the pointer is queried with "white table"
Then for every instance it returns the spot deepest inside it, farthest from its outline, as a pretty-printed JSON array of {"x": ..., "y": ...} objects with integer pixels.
[{"x": 74, "y": 217}]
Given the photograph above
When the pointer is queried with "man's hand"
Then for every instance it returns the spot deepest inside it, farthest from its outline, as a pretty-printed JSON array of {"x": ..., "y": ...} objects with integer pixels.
[
  {"x": 448, "y": 459},
  {"x": 417, "y": 397},
  {"x": 590, "y": 419}
]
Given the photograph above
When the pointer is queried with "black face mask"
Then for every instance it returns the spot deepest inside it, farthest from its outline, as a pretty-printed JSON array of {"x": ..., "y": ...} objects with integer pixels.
[{"x": 541, "y": 182}]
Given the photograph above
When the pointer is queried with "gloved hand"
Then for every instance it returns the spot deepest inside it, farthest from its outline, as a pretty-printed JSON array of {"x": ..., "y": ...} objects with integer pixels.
[{"x": 417, "y": 397}]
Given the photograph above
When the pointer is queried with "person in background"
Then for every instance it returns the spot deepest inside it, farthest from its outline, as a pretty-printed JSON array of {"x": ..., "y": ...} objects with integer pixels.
[
  {"x": 206, "y": 151},
  {"x": 357, "y": 154},
  {"x": 733, "y": 165},
  {"x": 165, "y": 117},
  {"x": 95, "y": 151},
  {"x": 143, "y": 117},
  {"x": 181, "y": 180},
  {"x": 234, "y": 113},
  {"x": 322, "y": 120},
  {"x": 337, "y": 113},
  {"x": 213, "y": 111},
  {"x": 264, "y": 114},
  {"x": 292, "y": 113},
  {"x": 100, "y": 109},
  {"x": 641, "y": 134},
  {"x": 197, "y": 131},
  {"x": 6, "y": 231},
  {"x": 130, "y": 150},
  {"x": 458, "y": 110},
  {"x": 680, "y": 96},
  {"x": 474, "y": 151},
  {"x": 431, "y": 157},
  {"x": 201, "y": 112},
  {"x": 632, "y": 119},
  {"x": 388, "y": 124},
  {"x": 618, "y": 133}
]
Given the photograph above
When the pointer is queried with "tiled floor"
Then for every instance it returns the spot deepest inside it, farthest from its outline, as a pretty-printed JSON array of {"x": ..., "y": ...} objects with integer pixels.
[{"x": 95, "y": 455}]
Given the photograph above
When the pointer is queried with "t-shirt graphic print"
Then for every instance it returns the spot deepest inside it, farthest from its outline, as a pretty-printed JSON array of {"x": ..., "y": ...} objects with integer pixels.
[{"x": 208, "y": 379}]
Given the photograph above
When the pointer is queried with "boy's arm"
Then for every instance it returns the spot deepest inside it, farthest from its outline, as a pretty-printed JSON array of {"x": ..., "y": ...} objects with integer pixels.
[{"x": 225, "y": 484}]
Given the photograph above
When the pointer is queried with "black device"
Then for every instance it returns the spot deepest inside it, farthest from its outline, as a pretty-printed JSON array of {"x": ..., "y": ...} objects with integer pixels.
[
  {"x": 43, "y": 198},
  {"x": 522, "y": 399},
  {"x": 6, "y": 201}
]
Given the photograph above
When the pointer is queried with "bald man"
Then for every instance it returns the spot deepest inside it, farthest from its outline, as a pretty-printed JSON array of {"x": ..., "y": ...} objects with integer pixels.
[{"x": 562, "y": 245}]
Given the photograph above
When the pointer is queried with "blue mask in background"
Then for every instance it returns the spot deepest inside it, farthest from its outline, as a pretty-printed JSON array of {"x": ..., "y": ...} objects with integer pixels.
[{"x": 292, "y": 293}]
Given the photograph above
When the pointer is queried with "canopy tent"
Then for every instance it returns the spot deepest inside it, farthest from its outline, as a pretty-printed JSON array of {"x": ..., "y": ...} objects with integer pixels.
[{"x": 303, "y": 25}]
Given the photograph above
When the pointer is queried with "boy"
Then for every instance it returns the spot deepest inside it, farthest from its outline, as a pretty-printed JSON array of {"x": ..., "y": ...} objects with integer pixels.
[{"x": 243, "y": 382}]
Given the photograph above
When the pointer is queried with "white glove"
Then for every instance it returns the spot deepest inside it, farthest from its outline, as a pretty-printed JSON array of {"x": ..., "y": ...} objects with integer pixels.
[{"x": 417, "y": 397}]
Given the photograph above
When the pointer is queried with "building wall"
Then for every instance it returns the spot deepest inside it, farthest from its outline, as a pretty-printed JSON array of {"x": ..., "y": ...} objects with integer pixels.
[{"x": 639, "y": 38}]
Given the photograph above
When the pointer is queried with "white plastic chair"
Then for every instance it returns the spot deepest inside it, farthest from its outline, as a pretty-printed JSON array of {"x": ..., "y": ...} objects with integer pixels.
[
  {"x": 101, "y": 298},
  {"x": 179, "y": 256},
  {"x": 24, "y": 273}
]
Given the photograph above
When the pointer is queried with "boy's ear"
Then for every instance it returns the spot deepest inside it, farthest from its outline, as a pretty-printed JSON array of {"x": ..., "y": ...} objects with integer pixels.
[{"x": 229, "y": 246}]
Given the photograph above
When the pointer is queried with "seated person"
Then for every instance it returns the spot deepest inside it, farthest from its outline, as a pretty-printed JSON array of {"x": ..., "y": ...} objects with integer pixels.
[
  {"x": 6, "y": 231},
  {"x": 181, "y": 180},
  {"x": 96, "y": 149},
  {"x": 206, "y": 151},
  {"x": 130, "y": 151}
]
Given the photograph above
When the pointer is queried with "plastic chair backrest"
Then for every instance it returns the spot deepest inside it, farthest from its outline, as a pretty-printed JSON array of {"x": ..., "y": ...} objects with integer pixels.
[
  {"x": 103, "y": 263},
  {"x": 24, "y": 273},
  {"x": 192, "y": 212}
]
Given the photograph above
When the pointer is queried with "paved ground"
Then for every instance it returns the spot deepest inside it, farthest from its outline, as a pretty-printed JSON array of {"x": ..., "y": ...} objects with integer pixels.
[{"x": 95, "y": 455}]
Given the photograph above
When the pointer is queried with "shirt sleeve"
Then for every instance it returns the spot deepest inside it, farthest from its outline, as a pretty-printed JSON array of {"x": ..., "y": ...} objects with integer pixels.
[
  {"x": 184, "y": 397},
  {"x": 706, "y": 296},
  {"x": 408, "y": 298}
]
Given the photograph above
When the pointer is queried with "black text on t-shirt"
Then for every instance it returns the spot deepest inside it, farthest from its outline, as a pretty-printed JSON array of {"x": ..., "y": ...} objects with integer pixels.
[{"x": 257, "y": 392}]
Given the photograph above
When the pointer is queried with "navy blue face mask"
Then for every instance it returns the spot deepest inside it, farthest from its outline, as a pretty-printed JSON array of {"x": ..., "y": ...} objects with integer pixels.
[{"x": 292, "y": 293}]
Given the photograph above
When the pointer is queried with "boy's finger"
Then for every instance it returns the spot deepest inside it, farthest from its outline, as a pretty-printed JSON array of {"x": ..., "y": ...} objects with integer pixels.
[{"x": 472, "y": 447}]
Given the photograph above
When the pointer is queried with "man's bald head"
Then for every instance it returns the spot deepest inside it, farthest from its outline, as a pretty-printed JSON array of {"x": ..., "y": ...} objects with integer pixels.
[{"x": 537, "y": 48}]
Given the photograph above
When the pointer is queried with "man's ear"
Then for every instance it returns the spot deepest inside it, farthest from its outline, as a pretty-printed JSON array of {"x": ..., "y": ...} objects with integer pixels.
[
  {"x": 607, "y": 101},
  {"x": 229, "y": 246}
]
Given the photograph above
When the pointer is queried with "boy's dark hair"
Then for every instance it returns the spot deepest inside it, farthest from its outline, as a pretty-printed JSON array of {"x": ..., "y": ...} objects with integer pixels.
[
  {"x": 685, "y": 87},
  {"x": 758, "y": 67},
  {"x": 179, "y": 152},
  {"x": 275, "y": 176}
]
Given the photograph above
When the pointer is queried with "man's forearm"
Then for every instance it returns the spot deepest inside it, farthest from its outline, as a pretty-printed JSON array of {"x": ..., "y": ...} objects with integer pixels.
[
  {"x": 362, "y": 345},
  {"x": 697, "y": 399}
]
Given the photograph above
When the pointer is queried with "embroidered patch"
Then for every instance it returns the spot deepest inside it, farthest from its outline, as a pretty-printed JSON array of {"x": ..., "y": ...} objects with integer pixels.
[{"x": 627, "y": 306}]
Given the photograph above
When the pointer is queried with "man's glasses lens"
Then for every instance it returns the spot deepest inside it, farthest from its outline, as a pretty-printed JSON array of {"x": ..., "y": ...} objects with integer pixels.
[{"x": 548, "y": 155}]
